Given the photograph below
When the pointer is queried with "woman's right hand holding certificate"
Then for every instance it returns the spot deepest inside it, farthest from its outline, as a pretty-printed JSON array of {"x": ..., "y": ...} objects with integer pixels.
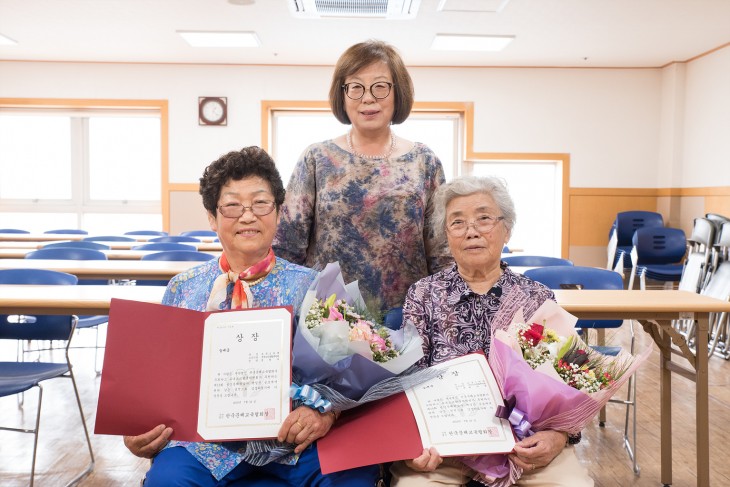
[
  {"x": 149, "y": 444},
  {"x": 426, "y": 461}
]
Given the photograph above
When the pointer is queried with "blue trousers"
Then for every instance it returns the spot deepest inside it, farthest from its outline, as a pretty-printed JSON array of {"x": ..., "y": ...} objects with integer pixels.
[{"x": 175, "y": 467}]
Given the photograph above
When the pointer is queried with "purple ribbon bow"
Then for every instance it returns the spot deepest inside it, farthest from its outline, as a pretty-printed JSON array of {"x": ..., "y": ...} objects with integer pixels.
[{"x": 516, "y": 417}]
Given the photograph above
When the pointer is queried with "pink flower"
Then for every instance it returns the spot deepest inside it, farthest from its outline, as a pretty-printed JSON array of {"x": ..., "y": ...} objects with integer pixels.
[
  {"x": 334, "y": 315},
  {"x": 379, "y": 342},
  {"x": 361, "y": 331}
]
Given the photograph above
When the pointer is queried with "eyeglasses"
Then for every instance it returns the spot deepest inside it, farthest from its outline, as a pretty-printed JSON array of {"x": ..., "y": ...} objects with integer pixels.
[
  {"x": 236, "y": 210},
  {"x": 482, "y": 224},
  {"x": 379, "y": 90}
]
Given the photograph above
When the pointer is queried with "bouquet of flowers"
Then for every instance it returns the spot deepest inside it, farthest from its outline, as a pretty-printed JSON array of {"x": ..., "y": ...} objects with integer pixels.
[
  {"x": 582, "y": 380},
  {"x": 346, "y": 357},
  {"x": 365, "y": 337}
]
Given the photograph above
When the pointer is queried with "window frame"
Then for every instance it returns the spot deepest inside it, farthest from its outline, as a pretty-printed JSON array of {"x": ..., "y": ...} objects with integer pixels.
[{"x": 80, "y": 201}]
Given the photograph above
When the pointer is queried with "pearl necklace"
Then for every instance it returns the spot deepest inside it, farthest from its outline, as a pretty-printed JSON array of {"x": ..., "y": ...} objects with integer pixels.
[
  {"x": 253, "y": 283},
  {"x": 384, "y": 156}
]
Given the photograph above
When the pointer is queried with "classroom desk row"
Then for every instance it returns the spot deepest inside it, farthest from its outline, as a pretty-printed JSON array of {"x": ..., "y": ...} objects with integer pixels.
[
  {"x": 48, "y": 237},
  {"x": 105, "y": 269},
  {"x": 112, "y": 254},
  {"x": 654, "y": 309},
  {"x": 35, "y": 244}
]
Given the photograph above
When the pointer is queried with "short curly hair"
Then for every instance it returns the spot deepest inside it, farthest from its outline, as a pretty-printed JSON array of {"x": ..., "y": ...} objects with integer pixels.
[
  {"x": 360, "y": 56},
  {"x": 250, "y": 161}
]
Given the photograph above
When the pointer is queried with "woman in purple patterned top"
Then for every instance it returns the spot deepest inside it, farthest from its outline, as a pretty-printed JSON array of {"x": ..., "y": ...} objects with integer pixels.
[
  {"x": 363, "y": 198},
  {"x": 454, "y": 310}
]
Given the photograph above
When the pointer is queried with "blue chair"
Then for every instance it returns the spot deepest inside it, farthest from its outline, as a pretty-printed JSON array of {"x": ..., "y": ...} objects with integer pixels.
[
  {"x": 12, "y": 230},
  {"x": 109, "y": 238},
  {"x": 188, "y": 255},
  {"x": 69, "y": 231},
  {"x": 165, "y": 246},
  {"x": 658, "y": 254},
  {"x": 66, "y": 253},
  {"x": 71, "y": 253},
  {"x": 18, "y": 377},
  {"x": 77, "y": 244},
  {"x": 535, "y": 261},
  {"x": 199, "y": 233},
  {"x": 394, "y": 318},
  {"x": 175, "y": 238},
  {"x": 157, "y": 233},
  {"x": 626, "y": 223},
  {"x": 578, "y": 277}
]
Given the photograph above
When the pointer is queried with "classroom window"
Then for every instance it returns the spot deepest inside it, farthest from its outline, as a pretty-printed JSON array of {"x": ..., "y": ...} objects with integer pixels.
[
  {"x": 293, "y": 131},
  {"x": 536, "y": 189},
  {"x": 98, "y": 170}
]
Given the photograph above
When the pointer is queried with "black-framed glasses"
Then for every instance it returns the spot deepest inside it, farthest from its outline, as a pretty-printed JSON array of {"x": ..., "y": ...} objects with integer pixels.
[
  {"x": 236, "y": 210},
  {"x": 379, "y": 90},
  {"x": 482, "y": 224}
]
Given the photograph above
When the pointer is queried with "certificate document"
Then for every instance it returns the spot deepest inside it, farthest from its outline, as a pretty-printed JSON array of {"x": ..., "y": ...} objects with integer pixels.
[
  {"x": 455, "y": 411},
  {"x": 245, "y": 374},
  {"x": 207, "y": 375}
]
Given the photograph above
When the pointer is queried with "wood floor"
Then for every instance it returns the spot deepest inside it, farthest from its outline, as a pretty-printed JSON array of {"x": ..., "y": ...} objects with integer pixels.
[{"x": 62, "y": 451}]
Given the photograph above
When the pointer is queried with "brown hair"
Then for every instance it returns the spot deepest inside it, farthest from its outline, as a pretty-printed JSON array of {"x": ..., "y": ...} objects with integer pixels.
[{"x": 360, "y": 56}]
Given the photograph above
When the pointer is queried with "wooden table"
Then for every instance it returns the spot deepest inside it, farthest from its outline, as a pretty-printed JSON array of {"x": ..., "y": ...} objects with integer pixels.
[
  {"x": 105, "y": 269},
  {"x": 112, "y": 254},
  {"x": 83, "y": 300},
  {"x": 655, "y": 310}
]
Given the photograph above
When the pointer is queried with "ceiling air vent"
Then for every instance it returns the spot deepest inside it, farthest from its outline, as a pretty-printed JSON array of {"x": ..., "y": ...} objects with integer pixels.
[{"x": 383, "y": 9}]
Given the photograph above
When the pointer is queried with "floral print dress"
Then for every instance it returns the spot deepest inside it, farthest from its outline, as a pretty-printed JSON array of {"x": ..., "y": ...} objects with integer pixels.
[{"x": 370, "y": 215}]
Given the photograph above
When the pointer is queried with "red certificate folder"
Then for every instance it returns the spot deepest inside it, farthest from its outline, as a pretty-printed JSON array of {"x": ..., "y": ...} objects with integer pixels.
[
  {"x": 387, "y": 430},
  {"x": 151, "y": 372},
  {"x": 383, "y": 431}
]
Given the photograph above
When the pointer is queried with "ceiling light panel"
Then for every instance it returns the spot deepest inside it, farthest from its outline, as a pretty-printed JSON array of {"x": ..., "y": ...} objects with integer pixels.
[
  {"x": 459, "y": 42},
  {"x": 220, "y": 39}
]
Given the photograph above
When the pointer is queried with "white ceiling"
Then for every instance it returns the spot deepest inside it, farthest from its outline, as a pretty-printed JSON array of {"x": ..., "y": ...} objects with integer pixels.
[{"x": 586, "y": 33}]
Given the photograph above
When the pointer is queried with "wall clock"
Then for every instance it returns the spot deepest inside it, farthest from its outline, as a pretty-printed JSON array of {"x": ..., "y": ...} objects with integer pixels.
[{"x": 212, "y": 110}]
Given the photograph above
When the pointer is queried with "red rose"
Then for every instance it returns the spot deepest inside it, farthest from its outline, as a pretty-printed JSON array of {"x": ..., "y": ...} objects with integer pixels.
[{"x": 534, "y": 334}]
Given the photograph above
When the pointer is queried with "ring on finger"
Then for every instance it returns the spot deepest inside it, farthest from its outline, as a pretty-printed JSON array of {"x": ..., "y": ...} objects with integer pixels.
[
  {"x": 300, "y": 424},
  {"x": 533, "y": 467}
]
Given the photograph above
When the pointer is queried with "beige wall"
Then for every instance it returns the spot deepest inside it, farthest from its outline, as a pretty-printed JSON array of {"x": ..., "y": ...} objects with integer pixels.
[{"x": 635, "y": 136}]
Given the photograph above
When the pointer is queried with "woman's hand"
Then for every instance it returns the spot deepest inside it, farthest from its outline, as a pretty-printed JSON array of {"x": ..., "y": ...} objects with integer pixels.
[
  {"x": 538, "y": 450},
  {"x": 149, "y": 444},
  {"x": 304, "y": 426},
  {"x": 426, "y": 462}
]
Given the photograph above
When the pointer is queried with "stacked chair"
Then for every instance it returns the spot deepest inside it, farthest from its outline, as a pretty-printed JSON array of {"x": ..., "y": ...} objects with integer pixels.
[
  {"x": 709, "y": 278},
  {"x": 657, "y": 254},
  {"x": 622, "y": 231}
]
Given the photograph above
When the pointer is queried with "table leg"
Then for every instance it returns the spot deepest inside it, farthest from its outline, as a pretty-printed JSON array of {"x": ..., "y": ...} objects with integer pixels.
[
  {"x": 665, "y": 391},
  {"x": 702, "y": 391}
]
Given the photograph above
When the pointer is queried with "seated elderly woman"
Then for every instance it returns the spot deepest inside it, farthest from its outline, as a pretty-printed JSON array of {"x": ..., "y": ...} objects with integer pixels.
[
  {"x": 242, "y": 192},
  {"x": 454, "y": 310}
]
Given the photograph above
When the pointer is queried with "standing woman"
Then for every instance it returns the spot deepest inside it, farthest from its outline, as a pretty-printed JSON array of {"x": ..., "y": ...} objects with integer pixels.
[{"x": 364, "y": 198}]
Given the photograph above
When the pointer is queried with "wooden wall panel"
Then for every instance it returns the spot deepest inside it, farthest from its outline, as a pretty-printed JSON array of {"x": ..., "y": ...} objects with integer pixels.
[
  {"x": 718, "y": 204},
  {"x": 591, "y": 216}
]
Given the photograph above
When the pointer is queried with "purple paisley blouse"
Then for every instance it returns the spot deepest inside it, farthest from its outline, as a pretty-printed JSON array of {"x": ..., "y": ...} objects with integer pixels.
[
  {"x": 453, "y": 320},
  {"x": 370, "y": 215}
]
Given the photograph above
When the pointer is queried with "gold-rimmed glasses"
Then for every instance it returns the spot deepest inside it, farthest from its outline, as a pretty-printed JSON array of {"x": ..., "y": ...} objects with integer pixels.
[
  {"x": 482, "y": 224},
  {"x": 236, "y": 210}
]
